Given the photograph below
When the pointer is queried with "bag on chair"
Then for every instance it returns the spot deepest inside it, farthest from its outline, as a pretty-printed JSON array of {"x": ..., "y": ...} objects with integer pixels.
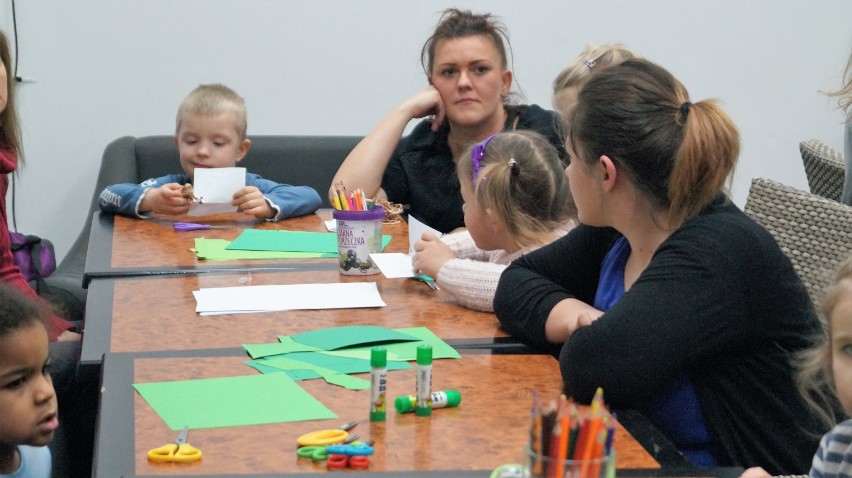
[{"x": 34, "y": 257}]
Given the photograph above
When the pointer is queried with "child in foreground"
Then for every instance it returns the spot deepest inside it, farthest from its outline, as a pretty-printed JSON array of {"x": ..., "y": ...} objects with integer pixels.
[
  {"x": 516, "y": 199},
  {"x": 825, "y": 380},
  {"x": 210, "y": 133},
  {"x": 28, "y": 408}
]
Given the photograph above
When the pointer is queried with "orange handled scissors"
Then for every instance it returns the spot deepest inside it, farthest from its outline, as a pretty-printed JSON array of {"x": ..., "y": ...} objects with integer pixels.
[{"x": 180, "y": 451}]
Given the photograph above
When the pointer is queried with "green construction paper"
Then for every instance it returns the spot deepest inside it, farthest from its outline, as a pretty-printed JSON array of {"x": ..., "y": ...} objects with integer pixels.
[
  {"x": 232, "y": 401},
  {"x": 216, "y": 250},
  {"x": 408, "y": 350},
  {"x": 341, "y": 364},
  {"x": 291, "y": 241},
  {"x": 333, "y": 338},
  {"x": 283, "y": 362},
  {"x": 296, "y": 375},
  {"x": 357, "y": 353},
  {"x": 284, "y": 346},
  {"x": 348, "y": 381}
]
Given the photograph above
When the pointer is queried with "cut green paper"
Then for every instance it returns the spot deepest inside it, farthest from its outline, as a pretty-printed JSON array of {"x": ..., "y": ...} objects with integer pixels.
[
  {"x": 296, "y": 375},
  {"x": 348, "y": 381},
  {"x": 341, "y": 364},
  {"x": 333, "y": 338},
  {"x": 290, "y": 241},
  {"x": 216, "y": 250},
  {"x": 285, "y": 346},
  {"x": 232, "y": 401}
]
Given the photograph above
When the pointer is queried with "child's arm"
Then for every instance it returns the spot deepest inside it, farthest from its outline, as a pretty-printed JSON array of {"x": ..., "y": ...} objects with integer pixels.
[
  {"x": 472, "y": 283},
  {"x": 136, "y": 199},
  {"x": 286, "y": 200}
]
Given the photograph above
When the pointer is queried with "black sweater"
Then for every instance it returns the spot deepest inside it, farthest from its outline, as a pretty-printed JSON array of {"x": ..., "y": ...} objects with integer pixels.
[
  {"x": 421, "y": 174},
  {"x": 719, "y": 301}
]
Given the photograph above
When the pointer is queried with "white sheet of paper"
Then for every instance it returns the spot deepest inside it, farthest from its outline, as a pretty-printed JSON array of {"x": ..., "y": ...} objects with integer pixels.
[
  {"x": 268, "y": 298},
  {"x": 416, "y": 230},
  {"x": 216, "y": 187},
  {"x": 393, "y": 264}
]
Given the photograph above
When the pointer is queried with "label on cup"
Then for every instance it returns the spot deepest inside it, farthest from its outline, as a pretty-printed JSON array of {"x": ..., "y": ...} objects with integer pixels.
[{"x": 359, "y": 233}]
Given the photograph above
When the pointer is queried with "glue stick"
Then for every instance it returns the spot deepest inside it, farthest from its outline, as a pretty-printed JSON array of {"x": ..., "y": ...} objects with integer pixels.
[
  {"x": 423, "y": 407},
  {"x": 442, "y": 399},
  {"x": 378, "y": 383}
]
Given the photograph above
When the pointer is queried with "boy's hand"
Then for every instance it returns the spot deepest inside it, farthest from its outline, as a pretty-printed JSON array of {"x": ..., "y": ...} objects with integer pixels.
[
  {"x": 166, "y": 199},
  {"x": 430, "y": 255},
  {"x": 250, "y": 200}
]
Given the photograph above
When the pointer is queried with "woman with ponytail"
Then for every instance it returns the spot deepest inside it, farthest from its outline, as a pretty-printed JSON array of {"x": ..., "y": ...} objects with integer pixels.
[{"x": 667, "y": 295}]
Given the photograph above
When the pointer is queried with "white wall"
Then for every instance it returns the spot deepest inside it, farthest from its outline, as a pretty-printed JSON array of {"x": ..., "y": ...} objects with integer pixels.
[{"x": 108, "y": 68}]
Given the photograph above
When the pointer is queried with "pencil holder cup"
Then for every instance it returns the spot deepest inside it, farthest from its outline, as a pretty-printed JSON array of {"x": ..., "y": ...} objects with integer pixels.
[
  {"x": 359, "y": 233},
  {"x": 540, "y": 466}
]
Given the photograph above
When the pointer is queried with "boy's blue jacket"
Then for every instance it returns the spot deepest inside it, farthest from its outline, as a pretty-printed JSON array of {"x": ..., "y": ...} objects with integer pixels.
[{"x": 289, "y": 201}]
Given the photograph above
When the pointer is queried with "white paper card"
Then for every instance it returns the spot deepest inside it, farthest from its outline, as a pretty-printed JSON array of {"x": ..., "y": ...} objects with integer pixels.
[
  {"x": 269, "y": 298},
  {"x": 416, "y": 230},
  {"x": 393, "y": 264},
  {"x": 215, "y": 187}
]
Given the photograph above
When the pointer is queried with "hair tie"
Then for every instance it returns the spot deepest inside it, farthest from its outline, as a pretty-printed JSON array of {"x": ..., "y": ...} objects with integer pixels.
[
  {"x": 590, "y": 63},
  {"x": 476, "y": 155},
  {"x": 516, "y": 168},
  {"x": 684, "y": 109}
]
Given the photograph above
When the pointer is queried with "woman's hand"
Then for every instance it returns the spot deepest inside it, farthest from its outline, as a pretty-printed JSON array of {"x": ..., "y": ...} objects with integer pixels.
[
  {"x": 426, "y": 102},
  {"x": 250, "y": 200},
  {"x": 566, "y": 317},
  {"x": 166, "y": 199},
  {"x": 430, "y": 255},
  {"x": 755, "y": 472}
]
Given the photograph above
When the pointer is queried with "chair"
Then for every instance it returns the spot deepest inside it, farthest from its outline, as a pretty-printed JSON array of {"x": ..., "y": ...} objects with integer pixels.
[
  {"x": 823, "y": 167},
  {"x": 814, "y": 232}
]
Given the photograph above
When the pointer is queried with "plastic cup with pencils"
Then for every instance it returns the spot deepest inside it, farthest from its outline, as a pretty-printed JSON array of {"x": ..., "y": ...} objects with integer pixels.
[{"x": 601, "y": 467}]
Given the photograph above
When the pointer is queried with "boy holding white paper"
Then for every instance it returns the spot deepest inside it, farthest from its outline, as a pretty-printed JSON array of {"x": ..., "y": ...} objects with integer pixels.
[{"x": 210, "y": 133}]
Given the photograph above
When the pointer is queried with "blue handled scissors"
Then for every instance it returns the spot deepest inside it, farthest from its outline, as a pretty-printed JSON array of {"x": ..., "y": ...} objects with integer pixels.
[
  {"x": 194, "y": 226},
  {"x": 179, "y": 451}
]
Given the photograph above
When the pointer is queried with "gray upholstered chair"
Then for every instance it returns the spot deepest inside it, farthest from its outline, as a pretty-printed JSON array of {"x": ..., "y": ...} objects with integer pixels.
[
  {"x": 814, "y": 232},
  {"x": 823, "y": 167}
]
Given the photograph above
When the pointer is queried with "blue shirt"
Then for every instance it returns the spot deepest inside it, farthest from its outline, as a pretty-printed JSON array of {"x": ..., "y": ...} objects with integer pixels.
[
  {"x": 286, "y": 200},
  {"x": 35, "y": 463},
  {"x": 675, "y": 411}
]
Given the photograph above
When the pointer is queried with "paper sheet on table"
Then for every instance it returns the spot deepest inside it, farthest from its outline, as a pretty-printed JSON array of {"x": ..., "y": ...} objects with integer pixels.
[
  {"x": 215, "y": 250},
  {"x": 393, "y": 265},
  {"x": 232, "y": 401},
  {"x": 291, "y": 241},
  {"x": 268, "y": 298},
  {"x": 332, "y": 338},
  {"x": 215, "y": 188}
]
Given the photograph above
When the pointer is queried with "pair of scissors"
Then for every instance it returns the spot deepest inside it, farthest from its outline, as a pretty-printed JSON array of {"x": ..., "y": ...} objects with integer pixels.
[
  {"x": 358, "y": 462},
  {"x": 427, "y": 280},
  {"x": 180, "y": 451},
  {"x": 330, "y": 436},
  {"x": 314, "y": 452},
  {"x": 194, "y": 226}
]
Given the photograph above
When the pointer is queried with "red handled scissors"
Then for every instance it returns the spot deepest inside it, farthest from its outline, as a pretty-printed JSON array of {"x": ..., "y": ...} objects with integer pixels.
[
  {"x": 179, "y": 451},
  {"x": 194, "y": 226}
]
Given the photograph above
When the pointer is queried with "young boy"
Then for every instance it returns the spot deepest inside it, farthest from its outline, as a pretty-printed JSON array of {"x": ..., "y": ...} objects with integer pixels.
[
  {"x": 211, "y": 133},
  {"x": 28, "y": 409}
]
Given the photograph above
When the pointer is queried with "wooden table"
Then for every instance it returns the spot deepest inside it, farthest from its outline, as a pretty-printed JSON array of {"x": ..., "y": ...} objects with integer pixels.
[
  {"x": 489, "y": 428},
  {"x": 121, "y": 246},
  {"x": 157, "y": 313},
  {"x": 141, "y": 318}
]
